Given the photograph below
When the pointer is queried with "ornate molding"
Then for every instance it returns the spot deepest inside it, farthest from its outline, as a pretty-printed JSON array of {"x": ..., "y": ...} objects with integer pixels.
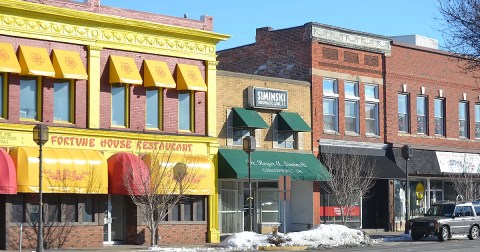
[{"x": 351, "y": 39}]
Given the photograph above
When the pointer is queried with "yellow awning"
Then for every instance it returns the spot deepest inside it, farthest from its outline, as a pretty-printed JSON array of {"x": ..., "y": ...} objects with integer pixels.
[
  {"x": 199, "y": 173},
  {"x": 8, "y": 59},
  {"x": 190, "y": 78},
  {"x": 68, "y": 65},
  {"x": 64, "y": 170},
  {"x": 157, "y": 74},
  {"x": 35, "y": 61},
  {"x": 124, "y": 70}
]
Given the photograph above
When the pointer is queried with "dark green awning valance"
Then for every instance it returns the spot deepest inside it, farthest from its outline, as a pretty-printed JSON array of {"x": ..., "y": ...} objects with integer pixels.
[
  {"x": 292, "y": 121},
  {"x": 248, "y": 118},
  {"x": 270, "y": 165}
]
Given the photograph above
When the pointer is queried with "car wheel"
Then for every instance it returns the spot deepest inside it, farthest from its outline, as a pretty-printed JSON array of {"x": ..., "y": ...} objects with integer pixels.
[
  {"x": 443, "y": 233},
  {"x": 416, "y": 235},
  {"x": 473, "y": 234}
]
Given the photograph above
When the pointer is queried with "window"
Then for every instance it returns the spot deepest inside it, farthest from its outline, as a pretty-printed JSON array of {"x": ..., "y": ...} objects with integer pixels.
[
  {"x": 29, "y": 98},
  {"x": 269, "y": 212},
  {"x": 403, "y": 118},
  {"x": 63, "y": 100},
  {"x": 239, "y": 134},
  {"x": 185, "y": 111},
  {"x": 153, "y": 110},
  {"x": 371, "y": 109},
  {"x": 17, "y": 210},
  {"x": 286, "y": 139},
  {"x": 351, "y": 106},
  {"x": 88, "y": 209},
  {"x": 477, "y": 120},
  {"x": 422, "y": 115},
  {"x": 463, "y": 119},
  {"x": 189, "y": 209},
  {"x": 119, "y": 104},
  {"x": 2, "y": 96},
  {"x": 439, "y": 117},
  {"x": 330, "y": 105}
]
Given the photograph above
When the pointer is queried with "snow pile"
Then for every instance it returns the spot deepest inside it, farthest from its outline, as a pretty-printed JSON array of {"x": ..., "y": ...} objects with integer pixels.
[{"x": 324, "y": 236}]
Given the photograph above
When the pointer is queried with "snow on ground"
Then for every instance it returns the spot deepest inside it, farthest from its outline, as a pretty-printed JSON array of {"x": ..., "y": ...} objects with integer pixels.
[{"x": 324, "y": 236}]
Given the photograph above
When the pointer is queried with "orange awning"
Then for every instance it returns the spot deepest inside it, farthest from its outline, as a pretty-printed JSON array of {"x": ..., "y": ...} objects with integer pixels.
[
  {"x": 124, "y": 70},
  {"x": 8, "y": 59},
  {"x": 157, "y": 74},
  {"x": 35, "y": 61},
  {"x": 68, "y": 65},
  {"x": 190, "y": 78},
  {"x": 63, "y": 170},
  {"x": 8, "y": 175},
  {"x": 199, "y": 173},
  {"x": 127, "y": 167}
]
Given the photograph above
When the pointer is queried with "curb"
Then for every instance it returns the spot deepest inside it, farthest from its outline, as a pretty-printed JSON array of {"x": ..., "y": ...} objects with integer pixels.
[{"x": 282, "y": 248}]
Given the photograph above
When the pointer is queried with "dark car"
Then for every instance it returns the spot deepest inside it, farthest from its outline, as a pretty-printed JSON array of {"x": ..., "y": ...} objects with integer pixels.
[{"x": 447, "y": 218}]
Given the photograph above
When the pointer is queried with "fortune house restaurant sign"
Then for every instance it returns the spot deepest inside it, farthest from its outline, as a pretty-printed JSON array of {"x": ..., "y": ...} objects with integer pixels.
[{"x": 267, "y": 98}]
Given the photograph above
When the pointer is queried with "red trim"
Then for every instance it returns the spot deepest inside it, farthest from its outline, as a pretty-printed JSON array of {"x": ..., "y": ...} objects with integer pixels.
[
  {"x": 119, "y": 165},
  {"x": 335, "y": 211},
  {"x": 8, "y": 174}
]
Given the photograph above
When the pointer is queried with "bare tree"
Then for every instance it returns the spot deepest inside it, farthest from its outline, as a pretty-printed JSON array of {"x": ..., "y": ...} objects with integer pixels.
[
  {"x": 351, "y": 178},
  {"x": 461, "y": 30},
  {"x": 158, "y": 184},
  {"x": 465, "y": 176}
]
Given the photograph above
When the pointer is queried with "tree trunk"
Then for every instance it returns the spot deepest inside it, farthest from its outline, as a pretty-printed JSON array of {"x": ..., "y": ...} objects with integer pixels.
[{"x": 153, "y": 234}]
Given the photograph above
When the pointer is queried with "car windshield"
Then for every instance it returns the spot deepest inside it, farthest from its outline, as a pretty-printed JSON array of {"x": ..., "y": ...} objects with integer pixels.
[{"x": 441, "y": 210}]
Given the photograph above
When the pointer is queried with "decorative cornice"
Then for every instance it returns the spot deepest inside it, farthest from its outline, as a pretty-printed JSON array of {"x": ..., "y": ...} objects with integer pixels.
[
  {"x": 352, "y": 144},
  {"x": 24, "y": 19},
  {"x": 426, "y": 80},
  {"x": 351, "y": 39}
]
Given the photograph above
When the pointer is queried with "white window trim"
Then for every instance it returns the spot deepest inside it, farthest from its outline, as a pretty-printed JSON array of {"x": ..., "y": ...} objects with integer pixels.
[
  {"x": 357, "y": 119},
  {"x": 467, "y": 128},
  {"x": 425, "y": 115},
  {"x": 443, "y": 115},
  {"x": 377, "y": 119},
  {"x": 407, "y": 112},
  {"x": 335, "y": 88},
  {"x": 335, "y": 99}
]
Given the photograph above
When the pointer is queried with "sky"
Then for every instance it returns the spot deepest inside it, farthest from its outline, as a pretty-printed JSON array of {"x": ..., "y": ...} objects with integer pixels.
[{"x": 239, "y": 19}]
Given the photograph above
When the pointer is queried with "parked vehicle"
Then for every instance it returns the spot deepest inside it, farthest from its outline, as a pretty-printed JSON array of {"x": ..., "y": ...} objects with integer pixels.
[{"x": 447, "y": 218}]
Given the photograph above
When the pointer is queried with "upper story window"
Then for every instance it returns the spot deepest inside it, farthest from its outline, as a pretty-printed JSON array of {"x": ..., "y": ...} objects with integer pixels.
[
  {"x": 463, "y": 119},
  {"x": 153, "y": 108},
  {"x": 286, "y": 139},
  {"x": 185, "y": 111},
  {"x": 29, "y": 98},
  {"x": 330, "y": 105},
  {"x": 2, "y": 96},
  {"x": 422, "y": 115},
  {"x": 351, "y": 107},
  {"x": 403, "y": 115},
  {"x": 120, "y": 104},
  {"x": 439, "y": 107},
  {"x": 63, "y": 101},
  {"x": 371, "y": 109},
  {"x": 477, "y": 120}
]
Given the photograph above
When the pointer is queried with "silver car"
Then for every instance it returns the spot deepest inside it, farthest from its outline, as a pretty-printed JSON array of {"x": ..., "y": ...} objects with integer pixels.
[{"x": 447, "y": 218}]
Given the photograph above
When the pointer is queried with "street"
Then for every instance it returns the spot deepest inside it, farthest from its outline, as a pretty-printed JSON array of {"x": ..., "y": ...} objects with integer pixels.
[{"x": 456, "y": 244}]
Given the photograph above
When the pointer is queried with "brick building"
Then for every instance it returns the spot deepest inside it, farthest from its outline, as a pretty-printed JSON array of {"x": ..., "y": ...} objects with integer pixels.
[
  {"x": 276, "y": 112},
  {"x": 433, "y": 106},
  {"x": 111, "y": 85},
  {"x": 346, "y": 72}
]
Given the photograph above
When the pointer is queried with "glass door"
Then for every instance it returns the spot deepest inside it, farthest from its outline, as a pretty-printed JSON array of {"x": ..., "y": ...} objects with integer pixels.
[
  {"x": 114, "y": 220},
  {"x": 231, "y": 214}
]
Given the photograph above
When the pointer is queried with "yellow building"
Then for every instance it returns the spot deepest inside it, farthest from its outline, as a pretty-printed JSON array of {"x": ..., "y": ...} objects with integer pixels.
[{"x": 112, "y": 85}]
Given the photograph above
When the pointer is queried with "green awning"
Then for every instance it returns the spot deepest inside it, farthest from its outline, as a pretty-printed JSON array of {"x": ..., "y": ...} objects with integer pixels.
[
  {"x": 270, "y": 165},
  {"x": 292, "y": 121},
  {"x": 248, "y": 118}
]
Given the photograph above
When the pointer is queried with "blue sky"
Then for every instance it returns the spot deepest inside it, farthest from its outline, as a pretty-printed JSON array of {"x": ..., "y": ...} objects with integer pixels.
[{"x": 239, "y": 19}]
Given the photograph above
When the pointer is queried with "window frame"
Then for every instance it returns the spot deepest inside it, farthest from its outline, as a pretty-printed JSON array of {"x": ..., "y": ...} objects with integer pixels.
[
  {"x": 376, "y": 102},
  {"x": 191, "y": 111},
  {"x": 159, "y": 108},
  {"x": 477, "y": 120},
  {"x": 39, "y": 100},
  {"x": 466, "y": 120},
  {"x": 406, "y": 114},
  {"x": 283, "y": 144},
  {"x": 333, "y": 96},
  {"x": 424, "y": 116},
  {"x": 242, "y": 129},
  {"x": 192, "y": 203},
  {"x": 71, "y": 101},
  {"x": 442, "y": 100},
  {"x": 355, "y": 99},
  {"x": 126, "y": 106}
]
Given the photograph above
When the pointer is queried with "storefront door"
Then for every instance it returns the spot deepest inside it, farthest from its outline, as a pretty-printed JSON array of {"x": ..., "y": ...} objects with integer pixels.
[
  {"x": 231, "y": 208},
  {"x": 114, "y": 227}
]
